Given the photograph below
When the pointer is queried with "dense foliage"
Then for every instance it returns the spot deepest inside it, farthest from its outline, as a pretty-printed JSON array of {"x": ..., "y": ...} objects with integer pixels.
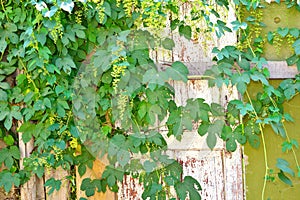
[{"x": 76, "y": 77}]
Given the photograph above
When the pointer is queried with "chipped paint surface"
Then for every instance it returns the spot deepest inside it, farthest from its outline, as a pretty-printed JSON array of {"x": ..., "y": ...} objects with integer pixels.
[
  {"x": 219, "y": 172},
  {"x": 130, "y": 190}
]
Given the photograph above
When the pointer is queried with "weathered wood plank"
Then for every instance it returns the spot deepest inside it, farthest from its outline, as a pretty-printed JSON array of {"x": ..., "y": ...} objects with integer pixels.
[
  {"x": 28, "y": 190},
  {"x": 214, "y": 169},
  {"x": 95, "y": 172},
  {"x": 130, "y": 189},
  {"x": 234, "y": 186},
  {"x": 219, "y": 172},
  {"x": 205, "y": 166},
  {"x": 58, "y": 174},
  {"x": 278, "y": 69}
]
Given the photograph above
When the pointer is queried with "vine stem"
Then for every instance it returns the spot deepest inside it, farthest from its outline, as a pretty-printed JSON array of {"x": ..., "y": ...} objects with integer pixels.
[
  {"x": 293, "y": 150},
  {"x": 260, "y": 125},
  {"x": 30, "y": 80},
  {"x": 2, "y": 54},
  {"x": 287, "y": 136},
  {"x": 4, "y": 11},
  {"x": 264, "y": 149},
  {"x": 263, "y": 141}
]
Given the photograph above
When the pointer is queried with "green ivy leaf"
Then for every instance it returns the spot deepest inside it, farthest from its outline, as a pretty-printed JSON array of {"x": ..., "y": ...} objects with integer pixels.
[
  {"x": 9, "y": 140},
  {"x": 188, "y": 188},
  {"x": 175, "y": 23},
  {"x": 257, "y": 76},
  {"x": 284, "y": 178},
  {"x": 3, "y": 44},
  {"x": 102, "y": 59},
  {"x": 216, "y": 127},
  {"x": 185, "y": 31},
  {"x": 177, "y": 121},
  {"x": 221, "y": 27},
  {"x": 278, "y": 129},
  {"x": 81, "y": 169},
  {"x": 238, "y": 25},
  {"x": 217, "y": 109},
  {"x": 149, "y": 166},
  {"x": 112, "y": 175},
  {"x": 8, "y": 122},
  {"x": 123, "y": 157},
  {"x": 107, "y": 8},
  {"x": 154, "y": 78},
  {"x": 152, "y": 191},
  {"x": 65, "y": 63},
  {"x": 295, "y": 32},
  {"x": 283, "y": 31},
  {"x": 88, "y": 187},
  {"x": 295, "y": 143},
  {"x": 296, "y": 46},
  {"x": 241, "y": 107},
  {"x": 168, "y": 44},
  {"x": 4, "y": 85},
  {"x": 9, "y": 154},
  {"x": 244, "y": 64},
  {"x": 79, "y": 30},
  {"x": 3, "y": 95},
  {"x": 270, "y": 37},
  {"x": 211, "y": 140},
  {"x": 254, "y": 140},
  {"x": 288, "y": 117},
  {"x": 26, "y": 130},
  {"x": 283, "y": 165},
  {"x": 8, "y": 179},
  {"x": 202, "y": 129},
  {"x": 21, "y": 78},
  {"x": 292, "y": 60},
  {"x": 178, "y": 72},
  {"x": 286, "y": 146},
  {"x": 231, "y": 145},
  {"x": 53, "y": 184},
  {"x": 197, "y": 109}
]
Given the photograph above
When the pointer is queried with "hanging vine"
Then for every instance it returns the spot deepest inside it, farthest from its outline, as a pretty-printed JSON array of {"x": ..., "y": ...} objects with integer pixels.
[{"x": 77, "y": 109}]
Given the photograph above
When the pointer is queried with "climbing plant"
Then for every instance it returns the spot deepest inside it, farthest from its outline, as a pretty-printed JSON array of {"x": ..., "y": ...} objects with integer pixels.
[{"x": 76, "y": 77}]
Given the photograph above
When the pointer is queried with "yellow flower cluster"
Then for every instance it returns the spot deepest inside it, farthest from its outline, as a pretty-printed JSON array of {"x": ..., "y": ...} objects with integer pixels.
[
  {"x": 57, "y": 31},
  {"x": 58, "y": 153},
  {"x": 99, "y": 8},
  {"x": 118, "y": 71},
  {"x": 129, "y": 6},
  {"x": 197, "y": 21},
  {"x": 255, "y": 29},
  {"x": 122, "y": 103},
  {"x": 258, "y": 14},
  {"x": 74, "y": 145},
  {"x": 78, "y": 16},
  {"x": 277, "y": 42},
  {"x": 40, "y": 162},
  {"x": 116, "y": 74},
  {"x": 154, "y": 20}
]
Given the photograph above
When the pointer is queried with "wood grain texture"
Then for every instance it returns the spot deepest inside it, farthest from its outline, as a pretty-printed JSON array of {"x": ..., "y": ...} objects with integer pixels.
[
  {"x": 277, "y": 69},
  {"x": 64, "y": 192},
  {"x": 29, "y": 189},
  {"x": 95, "y": 172},
  {"x": 219, "y": 172}
]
